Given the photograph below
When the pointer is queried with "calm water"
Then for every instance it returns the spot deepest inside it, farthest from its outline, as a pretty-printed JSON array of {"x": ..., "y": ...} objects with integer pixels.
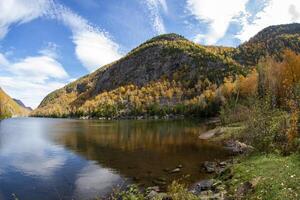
[{"x": 77, "y": 159}]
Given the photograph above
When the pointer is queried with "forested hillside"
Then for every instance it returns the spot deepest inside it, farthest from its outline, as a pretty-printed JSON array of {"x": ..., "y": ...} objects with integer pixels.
[
  {"x": 10, "y": 108},
  {"x": 169, "y": 75}
]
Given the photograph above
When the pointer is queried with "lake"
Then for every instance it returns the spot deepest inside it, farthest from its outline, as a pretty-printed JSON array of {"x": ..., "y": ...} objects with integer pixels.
[{"x": 81, "y": 159}]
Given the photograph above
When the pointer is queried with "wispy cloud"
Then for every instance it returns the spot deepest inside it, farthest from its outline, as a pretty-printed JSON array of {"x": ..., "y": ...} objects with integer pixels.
[
  {"x": 20, "y": 11},
  {"x": 50, "y": 50},
  {"x": 155, "y": 7},
  {"x": 217, "y": 15},
  {"x": 93, "y": 47},
  {"x": 274, "y": 12}
]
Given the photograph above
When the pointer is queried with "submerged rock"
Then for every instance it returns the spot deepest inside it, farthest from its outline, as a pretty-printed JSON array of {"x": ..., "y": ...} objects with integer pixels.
[
  {"x": 176, "y": 170},
  {"x": 179, "y": 166},
  {"x": 159, "y": 182}
]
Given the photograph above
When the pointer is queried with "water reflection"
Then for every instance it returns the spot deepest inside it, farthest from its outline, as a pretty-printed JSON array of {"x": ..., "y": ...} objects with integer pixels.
[
  {"x": 92, "y": 177},
  {"x": 28, "y": 151},
  {"x": 73, "y": 159}
]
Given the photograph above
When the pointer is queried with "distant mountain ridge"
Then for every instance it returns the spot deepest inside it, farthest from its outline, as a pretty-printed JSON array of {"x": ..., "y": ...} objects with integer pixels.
[
  {"x": 22, "y": 104},
  {"x": 9, "y": 107},
  {"x": 168, "y": 57}
]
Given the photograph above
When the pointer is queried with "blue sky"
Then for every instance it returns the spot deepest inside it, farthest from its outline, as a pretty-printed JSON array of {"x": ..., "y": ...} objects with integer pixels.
[{"x": 45, "y": 44}]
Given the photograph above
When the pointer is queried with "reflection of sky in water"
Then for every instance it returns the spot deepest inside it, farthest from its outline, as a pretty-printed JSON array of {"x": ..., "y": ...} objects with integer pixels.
[
  {"x": 32, "y": 167},
  {"x": 76, "y": 159},
  {"x": 94, "y": 178}
]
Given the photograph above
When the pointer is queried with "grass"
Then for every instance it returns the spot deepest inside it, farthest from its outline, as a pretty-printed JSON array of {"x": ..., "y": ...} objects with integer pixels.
[
  {"x": 176, "y": 191},
  {"x": 279, "y": 177}
]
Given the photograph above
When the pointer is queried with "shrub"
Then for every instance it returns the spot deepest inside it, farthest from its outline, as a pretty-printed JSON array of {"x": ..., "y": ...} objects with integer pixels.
[
  {"x": 233, "y": 112},
  {"x": 266, "y": 126}
]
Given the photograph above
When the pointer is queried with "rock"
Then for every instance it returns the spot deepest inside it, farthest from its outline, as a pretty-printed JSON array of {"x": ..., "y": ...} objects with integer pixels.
[
  {"x": 247, "y": 187},
  {"x": 176, "y": 170},
  {"x": 226, "y": 174},
  {"x": 166, "y": 170},
  {"x": 220, "y": 170},
  {"x": 211, "y": 133},
  {"x": 203, "y": 185},
  {"x": 179, "y": 166},
  {"x": 244, "y": 189},
  {"x": 140, "y": 117},
  {"x": 159, "y": 182},
  {"x": 210, "y": 195},
  {"x": 161, "y": 179},
  {"x": 213, "y": 121},
  {"x": 152, "y": 195},
  {"x": 154, "y": 188},
  {"x": 216, "y": 184},
  {"x": 236, "y": 147},
  {"x": 209, "y": 167},
  {"x": 223, "y": 164}
]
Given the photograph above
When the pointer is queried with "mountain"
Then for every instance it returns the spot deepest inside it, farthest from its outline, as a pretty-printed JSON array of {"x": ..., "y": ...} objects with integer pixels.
[
  {"x": 166, "y": 74},
  {"x": 9, "y": 108},
  {"x": 22, "y": 104},
  {"x": 270, "y": 41}
]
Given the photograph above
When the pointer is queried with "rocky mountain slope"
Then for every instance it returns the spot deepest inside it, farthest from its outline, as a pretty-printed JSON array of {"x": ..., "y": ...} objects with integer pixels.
[
  {"x": 166, "y": 71},
  {"x": 9, "y": 107}
]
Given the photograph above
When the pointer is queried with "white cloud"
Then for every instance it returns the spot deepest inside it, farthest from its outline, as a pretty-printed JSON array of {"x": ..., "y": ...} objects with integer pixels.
[
  {"x": 275, "y": 12},
  {"x": 154, "y": 7},
  {"x": 3, "y": 60},
  {"x": 199, "y": 38},
  {"x": 38, "y": 69},
  {"x": 218, "y": 14},
  {"x": 32, "y": 78},
  {"x": 50, "y": 50},
  {"x": 93, "y": 47},
  {"x": 19, "y": 11}
]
